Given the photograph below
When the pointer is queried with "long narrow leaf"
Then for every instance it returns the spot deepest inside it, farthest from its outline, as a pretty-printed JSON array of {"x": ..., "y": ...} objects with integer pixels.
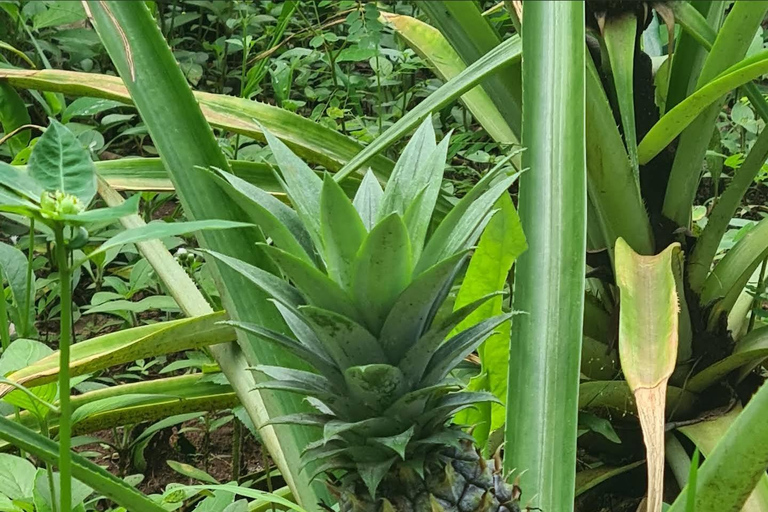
[{"x": 542, "y": 399}]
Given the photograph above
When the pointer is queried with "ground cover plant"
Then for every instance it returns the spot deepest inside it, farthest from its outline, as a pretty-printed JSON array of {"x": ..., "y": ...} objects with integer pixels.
[{"x": 240, "y": 272}]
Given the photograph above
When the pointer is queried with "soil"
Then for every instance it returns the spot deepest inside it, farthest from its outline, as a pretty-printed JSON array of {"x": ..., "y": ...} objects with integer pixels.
[{"x": 214, "y": 455}]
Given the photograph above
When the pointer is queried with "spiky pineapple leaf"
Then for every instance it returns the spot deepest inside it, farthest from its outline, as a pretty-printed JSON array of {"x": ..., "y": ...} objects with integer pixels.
[
  {"x": 304, "y": 333},
  {"x": 452, "y": 403},
  {"x": 376, "y": 385},
  {"x": 316, "y": 360},
  {"x": 301, "y": 418},
  {"x": 373, "y": 473},
  {"x": 342, "y": 232},
  {"x": 371, "y": 427},
  {"x": 463, "y": 225},
  {"x": 346, "y": 341},
  {"x": 416, "y": 305},
  {"x": 320, "y": 289},
  {"x": 302, "y": 185},
  {"x": 447, "y": 437},
  {"x": 282, "y": 373},
  {"x": 458, "y": 347},
  {"x": 277, "y": 220},
  {"x": 412, "y": 171},
  {"x": 396, "y": 443},
  {"x": 300, "y": 388},
  {"x": 418, "y": 215},
  {"x": 416, "y": 359},
  {"x": 367, "y": 200},
  {"x": 382, "y": 270},
  {"x": 270, "y": 283}
]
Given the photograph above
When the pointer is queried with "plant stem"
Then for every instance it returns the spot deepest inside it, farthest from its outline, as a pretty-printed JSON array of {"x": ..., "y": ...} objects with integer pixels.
[
  {"x": 237, "y": 444},
  {"x": 30, "y": 298},
  {"x": 5, "y": 333},
  {"x": 48, "y": 468},
  {"x": 65, "y": 338},
  {"x": 758, "y": 292}
]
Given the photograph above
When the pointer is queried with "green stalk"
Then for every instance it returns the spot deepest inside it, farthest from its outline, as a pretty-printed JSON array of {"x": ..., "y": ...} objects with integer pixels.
[
  {"x": 44, "y": 430},
  {"x": 542, "y": 400},
  {"x": 29, "y": 303},
  {"x": 65, "y": 338},
  {"x": 5, "y": 333}
]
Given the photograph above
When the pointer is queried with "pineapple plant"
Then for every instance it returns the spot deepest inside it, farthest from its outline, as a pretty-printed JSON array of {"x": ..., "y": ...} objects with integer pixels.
[{"x": 360, "y": 288}]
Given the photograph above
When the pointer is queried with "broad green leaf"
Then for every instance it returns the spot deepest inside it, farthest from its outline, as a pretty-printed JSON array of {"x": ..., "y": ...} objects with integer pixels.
[
  {"x": 13, "y": 114},
  {"x": 436, "y": 51},
  {"x": 500, "y": 245},
  {"x": 127, "y": 400},
  {"x": 748, "y": 351},
  {"x": 59, "y": 12},
  {"x": 116, "y": 348},
  {"x": 542, "y": 399},
  {"x": 368, "y": 200},
  {"x": 17, "y": 476},
  {"x": 733, "y": 474},
  {"x": 251, "y": 493},
  {"x": 648, "y": 339},
  {"x": 42, "y": 492},
  {"x": 13, "y": 269},
  {"x": 82, "y": 469},
  {"x": 88, "y": 107},
  {"x": 20, "y": 182},
  {"x": 342, "y": 232},
  {"x": 163, "y": 230},
  {"x": 382, "y": 270},
  {"x": 60, "y": 163}
]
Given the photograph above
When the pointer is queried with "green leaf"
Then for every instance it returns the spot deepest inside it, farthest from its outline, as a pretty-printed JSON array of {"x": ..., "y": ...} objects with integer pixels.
[
  {"x": 396, "y": 443},
  {"x": 373, "y": 473},
  {"x": 20, "y": 182},
  {"x": 648, "y": 344},
  {"x": 275, "y": 218},
  {"x": 57, "y": 13},
  {"x": 88, "y": 107},
  {"x": 60, "y": 163},
  {"x": 13, "y": 114},
  {"x": 191, "y": 472},
  {"x": 342, "y": 232},
  {"x": 13, "y": 269},
  {"x": 416, "y": 306},
  {"x": 17, "y": 476},
  {"x": 87, "y": 472},
  {"x": 368, "y": 200},
  {"x": 127, "y": 400},
  {"x": 375, "y": 385},
  {"x": 542, "y": 398},
  {"x": 430, "y": 44},
  {"x": 590, "y": 478},
  {"x": 598, "y": 425},
  {"x": 346, "y": 341},
  {"x": 619, "y": 34},
  {"x": 750, "y": 349},
  {"x": 473, "y": 36},
  {"x": 159, "y": 229},
  {"x": 382, "y": 270},
  {"x": 733, "y": 474},
  {"x": 42, "y": 492},
  {"x": 320, "y": 289},
  {"x": 500, "y": 245},
  {"x": 505, "y": 53},
  {"x": 302, "y": 185},
  {"x": 106, "y": 215}
]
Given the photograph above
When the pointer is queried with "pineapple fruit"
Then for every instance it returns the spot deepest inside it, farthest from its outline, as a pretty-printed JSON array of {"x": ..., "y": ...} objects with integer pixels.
[{"x": 361, "y": 290}]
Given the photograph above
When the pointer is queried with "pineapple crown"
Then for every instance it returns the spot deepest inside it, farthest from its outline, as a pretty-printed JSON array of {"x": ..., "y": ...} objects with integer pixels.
[{"x": 360, "y": 294}]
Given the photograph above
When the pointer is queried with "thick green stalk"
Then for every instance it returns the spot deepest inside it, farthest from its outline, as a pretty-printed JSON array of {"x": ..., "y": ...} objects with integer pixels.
[
  {"x": 65, "y": 338},
  {"x": 542, "y": 403}
]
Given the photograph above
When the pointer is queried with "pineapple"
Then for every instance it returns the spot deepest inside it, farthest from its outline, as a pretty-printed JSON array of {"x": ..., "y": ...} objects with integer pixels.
[{"x": 361, "y": 291}]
